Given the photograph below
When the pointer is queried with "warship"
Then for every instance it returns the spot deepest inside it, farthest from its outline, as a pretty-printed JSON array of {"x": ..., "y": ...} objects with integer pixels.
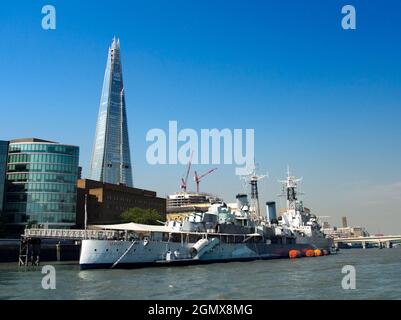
[{"x": 217, "y": 235}]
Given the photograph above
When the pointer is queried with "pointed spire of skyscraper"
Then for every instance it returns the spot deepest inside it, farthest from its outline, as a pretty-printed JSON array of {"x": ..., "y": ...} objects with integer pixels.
[
  {"x": 115, "y": 43},
  {"x": 111, "y": 161}
]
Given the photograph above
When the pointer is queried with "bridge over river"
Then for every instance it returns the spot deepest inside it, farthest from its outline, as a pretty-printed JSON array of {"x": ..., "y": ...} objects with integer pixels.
[{"x": 381, "y": 241}]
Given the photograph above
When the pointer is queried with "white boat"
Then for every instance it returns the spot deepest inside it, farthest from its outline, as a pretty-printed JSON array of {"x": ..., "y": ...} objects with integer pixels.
[{"x": 218, "y": 235}]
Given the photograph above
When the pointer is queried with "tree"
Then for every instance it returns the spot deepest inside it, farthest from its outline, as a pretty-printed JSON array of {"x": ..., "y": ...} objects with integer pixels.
[{"x": 139, "y": 215}]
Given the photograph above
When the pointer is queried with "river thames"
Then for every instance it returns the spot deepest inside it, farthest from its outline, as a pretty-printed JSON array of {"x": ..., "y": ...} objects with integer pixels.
[{"x": 377, "y": 277}]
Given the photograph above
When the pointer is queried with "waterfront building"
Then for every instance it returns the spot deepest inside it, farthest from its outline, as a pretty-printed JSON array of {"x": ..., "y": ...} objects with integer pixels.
[
  {"x": 345, "y": 232},
  {"x": 41, "y": 183},
  {"x": 183, "y": 199},
  {"x": 182, "y": 204},
  {"x": 3, "y": 167},
  {"x": 105, "y": 202},
  {"x": 180, "y": 213},
  {"x": 344, "y": 221},
  {"x": 111, "y": 161}
]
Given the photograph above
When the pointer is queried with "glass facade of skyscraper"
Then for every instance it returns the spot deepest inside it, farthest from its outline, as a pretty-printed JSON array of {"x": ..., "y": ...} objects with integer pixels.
[
  {"x": 41, "y": 183},
  {"x": 111, "y": 153},
  {"x": 3, "y": 167}
]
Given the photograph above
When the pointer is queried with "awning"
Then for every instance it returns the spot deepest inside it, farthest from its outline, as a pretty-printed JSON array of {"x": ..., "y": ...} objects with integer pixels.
[{"x": 134, "y": 227}]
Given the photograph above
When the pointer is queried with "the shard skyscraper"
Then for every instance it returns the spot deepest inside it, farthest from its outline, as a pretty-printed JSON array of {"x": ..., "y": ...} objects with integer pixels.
[{"x": 111, "y": 154}]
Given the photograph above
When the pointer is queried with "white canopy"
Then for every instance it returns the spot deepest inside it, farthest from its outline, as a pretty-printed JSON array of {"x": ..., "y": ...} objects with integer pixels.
[
  {"x": 134, "y": 227},
  {"x": 137, "y": 227}
]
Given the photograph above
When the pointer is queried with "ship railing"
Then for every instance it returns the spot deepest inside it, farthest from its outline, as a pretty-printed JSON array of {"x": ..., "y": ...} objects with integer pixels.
[{"x": 71, "y": 234}]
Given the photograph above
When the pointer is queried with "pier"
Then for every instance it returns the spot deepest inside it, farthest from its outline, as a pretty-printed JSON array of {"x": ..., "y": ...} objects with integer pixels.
[
  {"x": 31, "y": 240},
  {"x": 381, "y": 241}
]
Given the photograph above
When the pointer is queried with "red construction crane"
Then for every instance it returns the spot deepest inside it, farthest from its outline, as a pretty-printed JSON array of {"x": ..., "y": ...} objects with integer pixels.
[
  {"x": 199, "y": 178},
  {"x": 184, "y": 182}
]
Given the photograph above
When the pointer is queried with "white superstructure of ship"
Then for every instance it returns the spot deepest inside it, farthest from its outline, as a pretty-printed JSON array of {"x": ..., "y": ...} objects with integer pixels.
[
  {"x": 297, "y": 219},
  {"x": 218, "y": 235}
]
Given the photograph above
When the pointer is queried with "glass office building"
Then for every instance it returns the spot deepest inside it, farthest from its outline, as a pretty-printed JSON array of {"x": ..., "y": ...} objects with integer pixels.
[
  {"x": 111, "y": 153},
  {"x": 3, "y": 167},
  {"x": 41, "y": 183}
]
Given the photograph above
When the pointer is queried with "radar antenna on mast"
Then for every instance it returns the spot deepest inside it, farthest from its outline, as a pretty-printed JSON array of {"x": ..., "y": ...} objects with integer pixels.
[
  {"x": 289, "y": 189},
  {"x": 252, "y": 178}
]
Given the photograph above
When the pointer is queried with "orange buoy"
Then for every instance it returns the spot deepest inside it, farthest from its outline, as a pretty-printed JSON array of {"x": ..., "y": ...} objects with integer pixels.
[
  {"x": 310, "y": 253},
  {"x": 294, "y": 254},
  {"x": 303, "y": 252},
  {"x": 318, "y": 252}
]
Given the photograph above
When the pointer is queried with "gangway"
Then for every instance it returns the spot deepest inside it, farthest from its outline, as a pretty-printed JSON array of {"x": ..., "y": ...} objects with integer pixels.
[
  {"x": 70, "y": 234},
  {"x": 30, "y": 243}
]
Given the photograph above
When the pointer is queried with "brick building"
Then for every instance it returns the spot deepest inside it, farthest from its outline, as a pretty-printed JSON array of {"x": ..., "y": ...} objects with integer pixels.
[{"x": 106, "y": 202}]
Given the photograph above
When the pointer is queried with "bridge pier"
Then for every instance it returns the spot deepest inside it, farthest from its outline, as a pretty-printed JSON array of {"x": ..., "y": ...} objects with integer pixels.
[
  {"x": 364, "y": 244},
  {"x": 58, "y": 251},
  {"x": 29, "y": 251}
]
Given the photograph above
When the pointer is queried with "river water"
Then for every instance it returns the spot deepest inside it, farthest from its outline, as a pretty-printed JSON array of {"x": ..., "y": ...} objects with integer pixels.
[{"x": 378, "y": 276}]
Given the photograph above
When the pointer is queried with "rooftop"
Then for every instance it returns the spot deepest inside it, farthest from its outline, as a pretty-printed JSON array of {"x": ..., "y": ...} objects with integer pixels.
[
  {"x": 31, "y": 140},
  {"x": 93, "y": 184}
]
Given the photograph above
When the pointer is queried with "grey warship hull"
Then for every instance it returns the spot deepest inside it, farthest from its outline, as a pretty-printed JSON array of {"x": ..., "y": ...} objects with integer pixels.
[{"x": 131, "y": 254}]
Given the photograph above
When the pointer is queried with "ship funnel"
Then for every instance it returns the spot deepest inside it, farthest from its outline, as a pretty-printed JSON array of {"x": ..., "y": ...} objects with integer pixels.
[
  {"x": 271, "y": 211},
  {"x": 242, "y": 201}
]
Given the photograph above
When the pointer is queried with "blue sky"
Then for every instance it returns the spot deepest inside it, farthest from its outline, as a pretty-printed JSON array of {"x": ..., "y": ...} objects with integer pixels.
[{"x": 324, "y": 100}]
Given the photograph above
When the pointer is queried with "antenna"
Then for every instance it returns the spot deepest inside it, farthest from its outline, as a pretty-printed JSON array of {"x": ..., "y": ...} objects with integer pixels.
[
  {"x": 252, "y": 178},
  {"x": 289, "y": 189}
]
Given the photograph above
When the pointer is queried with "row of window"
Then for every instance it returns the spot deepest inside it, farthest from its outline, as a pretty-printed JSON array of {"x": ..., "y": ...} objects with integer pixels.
[
  {"x": 42, "y": 187},
  {"x": 42, "y": 197},
  {"x": 41, "y": 177},
  {"x": 58, "y": 217},
  {"x": 42, "y": 218},
  {"x": 43, "y": 158},
  {"x": 41, "y": 167},
  {"x": 45, "y": 218},
  {"x": 139, "y": 202},
  {"x": 48, "y": 148},
  {"x": 40, "y": 207}
]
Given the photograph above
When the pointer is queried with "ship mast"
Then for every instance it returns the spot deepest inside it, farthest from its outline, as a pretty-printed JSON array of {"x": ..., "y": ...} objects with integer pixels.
[
  {"x": 252, "y": 178},
  {"x": 289, "y": 190}
]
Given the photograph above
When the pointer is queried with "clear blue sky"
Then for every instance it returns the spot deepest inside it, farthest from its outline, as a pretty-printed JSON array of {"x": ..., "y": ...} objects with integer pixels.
[{"x": 323, "y": 100}]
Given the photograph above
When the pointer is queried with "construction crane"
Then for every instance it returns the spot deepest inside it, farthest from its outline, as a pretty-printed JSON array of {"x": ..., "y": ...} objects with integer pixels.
[
  {"x": 199, "y": 178},
  {"x": 183, "y": 186}
]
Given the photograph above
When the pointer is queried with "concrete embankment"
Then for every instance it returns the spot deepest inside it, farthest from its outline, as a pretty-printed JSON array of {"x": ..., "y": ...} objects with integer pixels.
[{"x": 49, "y": 251}]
